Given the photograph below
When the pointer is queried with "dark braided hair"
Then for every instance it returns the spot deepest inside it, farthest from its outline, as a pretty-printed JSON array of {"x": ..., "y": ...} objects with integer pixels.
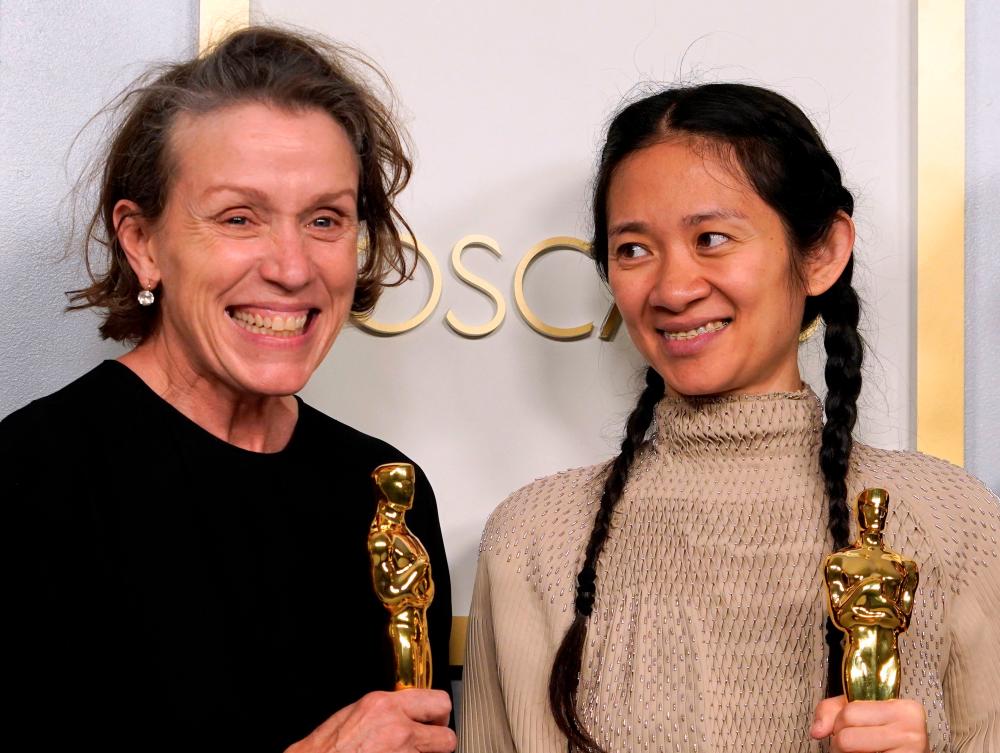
[{"x": 775, "y": 146}]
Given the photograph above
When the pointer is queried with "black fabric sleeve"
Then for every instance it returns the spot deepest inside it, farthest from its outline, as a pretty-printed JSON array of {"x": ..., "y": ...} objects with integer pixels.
[
  {"x": 26, "y": 609},
  {"x": 44, "y": 679}
]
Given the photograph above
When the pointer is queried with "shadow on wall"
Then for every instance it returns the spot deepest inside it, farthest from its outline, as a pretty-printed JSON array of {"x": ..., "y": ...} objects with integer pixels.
[{"x": 982, "y": 337}]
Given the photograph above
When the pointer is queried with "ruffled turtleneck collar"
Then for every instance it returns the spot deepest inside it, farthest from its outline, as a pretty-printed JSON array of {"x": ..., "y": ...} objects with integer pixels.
[{"x": 771, "y": 425}]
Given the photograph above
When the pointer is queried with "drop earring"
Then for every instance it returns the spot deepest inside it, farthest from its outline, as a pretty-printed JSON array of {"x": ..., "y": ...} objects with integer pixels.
[
  {"x": 146, "y": 297},
  {"x": 804, "y": 335}
]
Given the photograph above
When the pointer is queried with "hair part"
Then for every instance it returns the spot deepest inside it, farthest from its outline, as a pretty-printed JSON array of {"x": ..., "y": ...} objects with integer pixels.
[
  {"x": 267, "y": 65},
  {"x": 771, "y": 144}
]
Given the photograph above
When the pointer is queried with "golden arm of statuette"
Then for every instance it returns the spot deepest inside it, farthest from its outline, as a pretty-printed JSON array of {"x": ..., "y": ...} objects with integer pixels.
[
  {"x": 836, "y": 582},
  {"x": 908, "y": 590},
  {"x": 402, "y": 578},
  {"x": 853, "y": 591}
]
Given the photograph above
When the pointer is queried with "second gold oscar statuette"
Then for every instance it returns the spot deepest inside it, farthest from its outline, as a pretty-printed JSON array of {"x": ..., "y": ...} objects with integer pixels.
[{"x": 870, "y": 592}]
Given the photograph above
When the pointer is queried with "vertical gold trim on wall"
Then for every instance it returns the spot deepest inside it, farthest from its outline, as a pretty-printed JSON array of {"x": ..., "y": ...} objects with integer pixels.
[
  {"x": 941, "y": 228},
  {"x": 218, "y": 17},
  {"x": 456, "y": 654}
]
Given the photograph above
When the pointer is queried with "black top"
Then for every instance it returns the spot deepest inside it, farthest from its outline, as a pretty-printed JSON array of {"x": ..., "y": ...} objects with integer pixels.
[{"x": 173, "y": 592}]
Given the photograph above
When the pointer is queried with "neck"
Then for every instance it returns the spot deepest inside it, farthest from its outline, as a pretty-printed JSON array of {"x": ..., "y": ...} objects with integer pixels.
[
  {"x": 775, "y": 425},
  {"x": 259, "y": 423},
  {"x": 871, "y": 538},
  {"x": 389, "y": 514}
]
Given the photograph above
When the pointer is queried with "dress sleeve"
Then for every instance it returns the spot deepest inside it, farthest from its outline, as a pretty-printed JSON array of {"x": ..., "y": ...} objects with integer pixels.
[
  {"x": 484, "y": 725},
  {"x": 23, "y": 579},
  {"x": 972, "y": 680},
  {"x": 43, "y": 702}
]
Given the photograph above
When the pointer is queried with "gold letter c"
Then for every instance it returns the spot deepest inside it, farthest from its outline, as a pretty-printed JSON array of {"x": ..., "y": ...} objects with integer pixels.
[{"x": 546, "y": 246}]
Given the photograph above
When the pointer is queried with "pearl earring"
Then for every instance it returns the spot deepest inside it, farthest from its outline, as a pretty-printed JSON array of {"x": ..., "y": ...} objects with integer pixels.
[{"x": 146, "y": 296}]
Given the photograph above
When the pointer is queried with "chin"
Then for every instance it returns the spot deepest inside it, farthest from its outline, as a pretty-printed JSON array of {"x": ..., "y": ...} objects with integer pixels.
[
  {"x": 274, "y": 382},
  {"x": 694, "y": 385},
  {"x": 697, "y": 392}
]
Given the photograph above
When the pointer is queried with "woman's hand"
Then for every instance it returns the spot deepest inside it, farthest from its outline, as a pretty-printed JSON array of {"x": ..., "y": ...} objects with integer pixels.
[
  {"x": 406, "y": 721},
  {"x": 872, "y": 726}
]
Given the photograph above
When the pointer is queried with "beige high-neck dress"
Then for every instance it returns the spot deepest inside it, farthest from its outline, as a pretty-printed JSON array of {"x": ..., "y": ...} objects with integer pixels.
[{"x": 708, "y": 628}]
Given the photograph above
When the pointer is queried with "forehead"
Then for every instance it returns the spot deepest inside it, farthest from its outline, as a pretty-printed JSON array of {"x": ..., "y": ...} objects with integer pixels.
[
  {"x": 248, "y": 136},
  {"x": 680, "y": 172}
]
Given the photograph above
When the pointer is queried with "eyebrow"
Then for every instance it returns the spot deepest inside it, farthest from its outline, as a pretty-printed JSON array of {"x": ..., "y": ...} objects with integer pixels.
[
  {"x": 632, "y": 226},
  {"x": 715, "y": 214},
  {"x": 262, "y": 198},
  {"x": 691, "y": 220}
]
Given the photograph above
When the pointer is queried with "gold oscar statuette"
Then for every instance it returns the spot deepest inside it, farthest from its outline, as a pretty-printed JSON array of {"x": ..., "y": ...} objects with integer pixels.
[
  {"x": 401, "y": 573},
  {"x": 871, "y": 590}
]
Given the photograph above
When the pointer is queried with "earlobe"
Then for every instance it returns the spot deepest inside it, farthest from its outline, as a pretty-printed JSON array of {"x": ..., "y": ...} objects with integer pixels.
[
  {"x": 827, "y": 261},
  {"x": 133, "y": 232}
]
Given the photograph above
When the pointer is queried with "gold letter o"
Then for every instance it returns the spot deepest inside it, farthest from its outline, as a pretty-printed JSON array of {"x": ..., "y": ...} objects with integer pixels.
[{"x": 378, "y": 328}]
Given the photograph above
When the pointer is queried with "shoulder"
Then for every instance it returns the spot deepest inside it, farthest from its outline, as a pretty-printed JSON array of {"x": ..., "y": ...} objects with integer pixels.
[
  {"x": 931, "y": 499},
  {"x": 547, "y": 507},
  {"x": 63, "y": 410},
  {"x": 348, "y": 453},
  {"x": 330, "y": 435},
  {"x": 934, "y": 484},
  {"x": 53, "y": 449}
]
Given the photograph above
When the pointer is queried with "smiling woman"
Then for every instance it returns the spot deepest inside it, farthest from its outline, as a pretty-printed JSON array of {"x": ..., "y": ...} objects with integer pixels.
[
  {"x": 671, "y": 599},
  {"x": 199, "y": 574},
  {"x": 260, "y": 229},
  {"x": 703, "y": 273}
]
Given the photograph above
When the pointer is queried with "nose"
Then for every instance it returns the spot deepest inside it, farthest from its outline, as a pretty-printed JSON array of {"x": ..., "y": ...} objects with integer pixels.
[
  {"x": 680, "y": 283},
  {"x": 287, "y": 263}
]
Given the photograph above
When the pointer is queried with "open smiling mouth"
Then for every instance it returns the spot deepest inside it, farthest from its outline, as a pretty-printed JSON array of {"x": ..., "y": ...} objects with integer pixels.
[
  {"x": 275, "y": 325},
  {"x": 705, "y": 329}
]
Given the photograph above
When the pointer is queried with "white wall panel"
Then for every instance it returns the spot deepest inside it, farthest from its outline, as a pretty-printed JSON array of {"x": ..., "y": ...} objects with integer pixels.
[
  {"x": 59, "y": 64},
  {"x": 506, "y": 103}
]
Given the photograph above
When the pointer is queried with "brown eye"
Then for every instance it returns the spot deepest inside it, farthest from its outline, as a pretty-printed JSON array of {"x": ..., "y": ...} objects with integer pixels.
[
  {"x": 631, "y": 251},
  {"x": 712, "y": 240}
]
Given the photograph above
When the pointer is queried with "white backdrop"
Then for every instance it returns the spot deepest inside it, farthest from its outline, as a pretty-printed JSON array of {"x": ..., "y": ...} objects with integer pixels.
[{"x": 506, "y": 103}]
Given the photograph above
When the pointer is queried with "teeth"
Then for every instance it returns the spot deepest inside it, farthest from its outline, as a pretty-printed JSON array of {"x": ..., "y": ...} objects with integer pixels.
[
  {"x": 704, "y": 329},
  {"x": 278, "y": 326}
]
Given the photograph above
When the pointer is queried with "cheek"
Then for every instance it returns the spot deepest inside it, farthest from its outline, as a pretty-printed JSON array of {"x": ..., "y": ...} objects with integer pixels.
[
  {"x": 626, "y": 290},
  {"x": 202, "y": 260},
  {"x": 768, "y": 291},
  {"x": 340, "y": 280}
]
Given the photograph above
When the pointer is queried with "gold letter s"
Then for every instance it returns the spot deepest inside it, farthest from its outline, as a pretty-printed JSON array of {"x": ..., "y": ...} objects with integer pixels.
[{"x": 479, "y": 330}]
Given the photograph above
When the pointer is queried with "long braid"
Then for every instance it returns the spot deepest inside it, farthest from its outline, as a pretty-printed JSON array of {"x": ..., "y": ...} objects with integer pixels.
[
  {"x": 565, "y": 678},
  {"x": 840, "y": 309}
]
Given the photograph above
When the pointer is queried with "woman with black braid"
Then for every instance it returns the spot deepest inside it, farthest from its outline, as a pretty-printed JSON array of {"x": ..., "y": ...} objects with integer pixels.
[{"x": 672, "y": 599}]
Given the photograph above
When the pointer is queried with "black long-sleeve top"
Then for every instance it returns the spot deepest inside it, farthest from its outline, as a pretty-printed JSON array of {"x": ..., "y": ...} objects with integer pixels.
[{"x": 169, "y": 591}]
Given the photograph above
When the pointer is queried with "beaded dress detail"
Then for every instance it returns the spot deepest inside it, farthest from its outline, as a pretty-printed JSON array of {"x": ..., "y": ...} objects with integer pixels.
[{"x": 708, "y": 628}]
